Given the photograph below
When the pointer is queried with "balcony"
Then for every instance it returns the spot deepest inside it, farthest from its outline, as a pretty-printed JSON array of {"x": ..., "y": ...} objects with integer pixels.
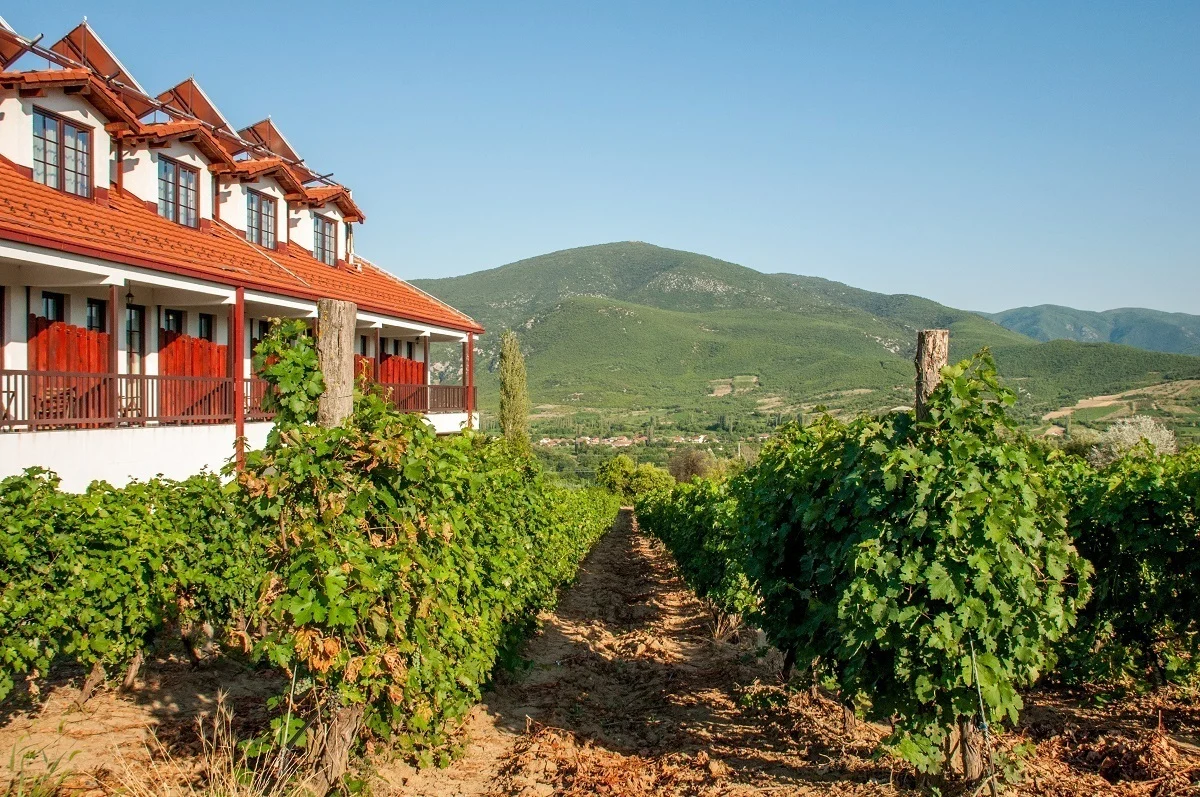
[{"x": 40, "y": 400}]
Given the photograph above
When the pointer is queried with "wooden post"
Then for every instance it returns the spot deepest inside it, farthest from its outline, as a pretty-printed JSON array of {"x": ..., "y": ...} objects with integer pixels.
[
  {"x": 933, "y": 352},
  {"x": 114, "y": 395},
  {"x": 425, "y": 372},
  {"x": 469, "y": 376},
  {"x": 237, "y": 359},
  {"x": 378, "y": 357},
  {"x": 425, "y": 360},
  {"x": 335, "y": 356}
]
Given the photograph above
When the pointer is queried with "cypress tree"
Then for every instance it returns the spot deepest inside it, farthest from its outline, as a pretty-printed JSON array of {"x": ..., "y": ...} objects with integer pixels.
[{"x": 514, "y": 392}]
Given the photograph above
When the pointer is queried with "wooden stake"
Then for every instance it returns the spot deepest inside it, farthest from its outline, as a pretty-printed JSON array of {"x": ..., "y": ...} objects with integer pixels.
[
  {"x": 335, "y": 356},
  {"x": 933, "y": 353}
]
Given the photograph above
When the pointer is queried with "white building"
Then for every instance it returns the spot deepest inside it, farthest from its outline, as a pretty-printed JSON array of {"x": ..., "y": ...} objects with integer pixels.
[{"x": 144, "y": 243}]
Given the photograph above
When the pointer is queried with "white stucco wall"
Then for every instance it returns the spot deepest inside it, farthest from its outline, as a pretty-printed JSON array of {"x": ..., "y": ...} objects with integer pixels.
[
  {"x": 233, "y": 204},
  {"x": 141, "y": 172},
  {"x": 16, "y": 129},
  {"x": 120, "y": 455},
  {"x": 13, "y": 334},
  {"x": 450, "y": 422},
  {"x": 300, "y": 227}
]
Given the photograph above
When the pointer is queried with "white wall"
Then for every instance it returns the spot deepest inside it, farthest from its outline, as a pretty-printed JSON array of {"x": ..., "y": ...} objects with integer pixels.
[
  {"x": 450, "y": 422},
  {"x": 80, "y": 456},
  {"x": 141, "y": 172},
  {"x": 118, "y": 456},
  {"x": 16, "y": 129},
  {"x": 12, "y": 336},
  {"x": 233, "y": 204},
  {"x": 300, "y": 227}
]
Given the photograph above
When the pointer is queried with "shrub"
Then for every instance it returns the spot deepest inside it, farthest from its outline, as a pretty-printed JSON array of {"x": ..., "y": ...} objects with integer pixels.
[
  {"x": 692, "y": 463},
  {"x": 925, "y": 566},
  {"x": 402, "y": 566},
  {"x": 696, "y": 523},
  {"x": 627, "y": 480},
  {"x": 1129, "y": 434},
  {"x": 92, "y": 578},
  {"x": 1138, "y": 521}
]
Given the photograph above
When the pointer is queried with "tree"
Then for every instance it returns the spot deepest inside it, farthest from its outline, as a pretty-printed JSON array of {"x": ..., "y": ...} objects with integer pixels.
[
  {"x": 691, "y": 463},
  {"x": 627, "y": 480},
  {"x": 514, "y": 392}
]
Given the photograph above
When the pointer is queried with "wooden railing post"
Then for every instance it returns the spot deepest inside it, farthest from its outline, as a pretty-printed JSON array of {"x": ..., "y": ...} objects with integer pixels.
[
  {"x": 378, "y": 357},
  {"x": 335, "y": 357},
  {"x": 425, "y": 371},
  {"x": 237, "y": 333},
  {"x": 469, "y": 377},
  {"x": 933, "y": 353},
  {"x": 114, "y": 394}
]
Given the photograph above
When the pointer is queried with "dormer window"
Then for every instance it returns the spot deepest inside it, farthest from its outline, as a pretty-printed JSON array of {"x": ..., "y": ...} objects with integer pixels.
[
  {"x": 178, "y": 195},
  {"x": 325, "y": 240},
  {"x": 260, "y": 219},
  {"x": 62, "y": 154}
]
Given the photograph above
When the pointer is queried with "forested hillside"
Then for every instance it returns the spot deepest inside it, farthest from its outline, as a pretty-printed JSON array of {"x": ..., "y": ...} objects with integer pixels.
[
  {"x": 631, "y": 325},
  {"x": 1177, "y": 333}
]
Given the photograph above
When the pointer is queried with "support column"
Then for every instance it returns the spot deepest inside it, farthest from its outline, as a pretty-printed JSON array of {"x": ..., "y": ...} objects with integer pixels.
[
  {"x": 378, "y": 357},
  {"x": 425, "y": 360},
  {"x": 237, "y": 320},
  {"x": 114, "y": 327},
  {"x": 425, "y": 372},
  {"x": 469, "y": 376}
]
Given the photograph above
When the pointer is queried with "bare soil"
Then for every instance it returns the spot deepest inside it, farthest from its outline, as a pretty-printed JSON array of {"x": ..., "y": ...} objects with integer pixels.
[{"x": 627, "y": 692}]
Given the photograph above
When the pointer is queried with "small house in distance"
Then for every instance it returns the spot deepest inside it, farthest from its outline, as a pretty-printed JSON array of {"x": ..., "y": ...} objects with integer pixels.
[{"x": 144, "y": 242}]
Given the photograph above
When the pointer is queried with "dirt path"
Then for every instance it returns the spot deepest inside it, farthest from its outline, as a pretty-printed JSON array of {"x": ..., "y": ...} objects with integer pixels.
[{"x": 628, "y": 693}]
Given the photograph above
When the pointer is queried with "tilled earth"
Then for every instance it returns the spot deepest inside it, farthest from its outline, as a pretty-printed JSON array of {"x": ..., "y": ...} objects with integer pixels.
[{"x": 627, "y": 692}]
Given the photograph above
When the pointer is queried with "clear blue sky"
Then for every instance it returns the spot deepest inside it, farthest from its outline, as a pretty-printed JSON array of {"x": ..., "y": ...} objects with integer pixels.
[{"x": 986, "y": 155}]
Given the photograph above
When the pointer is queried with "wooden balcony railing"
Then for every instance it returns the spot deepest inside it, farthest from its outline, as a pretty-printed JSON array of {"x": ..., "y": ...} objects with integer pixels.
[
  {"x": 32, "y": 400},
  {"x": 75, "y": 400},
  {"x": 427, "y": 398}
]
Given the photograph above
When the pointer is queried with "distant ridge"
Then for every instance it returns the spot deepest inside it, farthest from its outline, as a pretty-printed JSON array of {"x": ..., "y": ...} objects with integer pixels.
[
  {"x": 635, "y": 325},
  {"x": 1177, "y": 333}
]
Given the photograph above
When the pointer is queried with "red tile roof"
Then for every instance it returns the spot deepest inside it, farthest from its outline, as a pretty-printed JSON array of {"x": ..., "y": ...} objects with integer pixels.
[
  {"x": 191, "y": 130},
  {"x": 99, "y": 94},
  {"x": 124, "y": 230},
  {"x": 337, "y": 194}
]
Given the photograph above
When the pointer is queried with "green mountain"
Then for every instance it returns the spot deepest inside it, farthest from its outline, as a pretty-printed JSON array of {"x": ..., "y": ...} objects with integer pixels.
[
  {"x": 1177, "y": 333},
  {"x": 631, "y": 326}
]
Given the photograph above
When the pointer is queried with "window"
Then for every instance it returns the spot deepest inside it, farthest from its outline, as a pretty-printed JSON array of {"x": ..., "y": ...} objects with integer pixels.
[
  {"x": 62, "y": 154},
  {"x": 97, "y": 315},
  {"x": 410, "y": 350},
  {"x": 260, "y": 219},
  {"x": 135, "y": 336},
  {"x": 206, "y": 326},
  {"x": 396, "y": 348},
  {"x": 264, "y": 327},
  {"x": 173, "y": 320},
  {"x": 178, "y": 199},
  {"x": 325, "y": 240},
  {"x": 54, "y": 306}
]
